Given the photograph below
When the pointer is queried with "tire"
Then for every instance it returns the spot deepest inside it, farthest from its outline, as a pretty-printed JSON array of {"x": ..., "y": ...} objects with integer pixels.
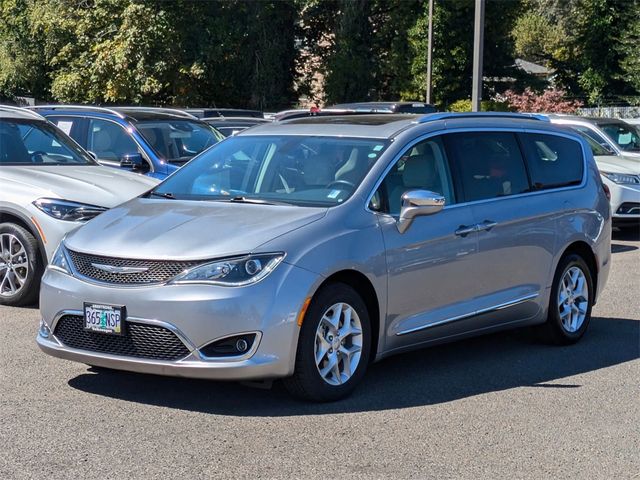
[
  {"x": 20, "y": 273},
  {"x": 307, "y": 381},
  {"x": 562, "y": 328}
]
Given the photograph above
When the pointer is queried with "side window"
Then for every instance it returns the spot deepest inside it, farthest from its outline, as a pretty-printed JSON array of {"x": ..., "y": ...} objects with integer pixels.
[
  {"x": 423, "y": 167},
  {"x": 591, "y": 133},
  {"x": 554, "y": 161},
  {"x": 69, "y": 125},
  {"x": 109, "y": 141},
  {"x": 490, "y": 164}
]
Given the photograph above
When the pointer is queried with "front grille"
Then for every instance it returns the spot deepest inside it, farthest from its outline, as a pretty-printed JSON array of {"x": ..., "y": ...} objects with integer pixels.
[
  {"x": 629, "y": 208},
  {"x": 139, "y": 340},
  {"x": 157, "y": 271}
]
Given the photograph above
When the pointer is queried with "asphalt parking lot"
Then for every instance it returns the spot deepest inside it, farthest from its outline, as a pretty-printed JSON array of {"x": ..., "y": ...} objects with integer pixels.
[{"x": 501, "y": 406}]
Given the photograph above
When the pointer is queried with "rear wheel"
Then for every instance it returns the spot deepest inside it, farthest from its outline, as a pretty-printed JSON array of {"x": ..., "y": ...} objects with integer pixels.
[
  {"x": 20, "y": 266},
  {"x": 570, "y": 303},
  {"x": 333, "y": 347}
]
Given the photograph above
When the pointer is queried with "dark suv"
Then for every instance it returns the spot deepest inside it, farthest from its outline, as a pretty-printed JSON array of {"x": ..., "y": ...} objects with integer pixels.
[{"x": 152, "y": 141}]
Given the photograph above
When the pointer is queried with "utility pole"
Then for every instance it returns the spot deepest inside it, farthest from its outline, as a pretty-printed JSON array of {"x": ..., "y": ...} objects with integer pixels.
[
  {"x": 478, "y": 50},
  {"x": 430, "y": 52}
]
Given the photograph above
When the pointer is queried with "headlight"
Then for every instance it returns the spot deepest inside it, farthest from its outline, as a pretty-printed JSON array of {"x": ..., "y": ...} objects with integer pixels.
[
  {"x": 622, "y": 178},
  {"x": 232, "y": 272},
  {"x": 69, "y": 211},
  {"x": 60, "y": 261}
]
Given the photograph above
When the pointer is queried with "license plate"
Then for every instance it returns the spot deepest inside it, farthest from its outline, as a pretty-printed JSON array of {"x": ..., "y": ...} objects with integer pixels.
[{"x": 104, "y": 318}]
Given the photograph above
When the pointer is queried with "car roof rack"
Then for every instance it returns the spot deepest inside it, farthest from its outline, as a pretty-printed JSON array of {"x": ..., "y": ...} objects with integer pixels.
[
  {"x": 174, "y": 111},
  {"x": 31, "y": 113},
  {"x": 433, "y": 117},
  {"x": 77, "y": 107}
]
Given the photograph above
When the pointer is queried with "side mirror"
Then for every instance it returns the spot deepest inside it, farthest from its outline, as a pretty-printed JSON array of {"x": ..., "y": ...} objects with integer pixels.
[
  {"x": 607, "y": 147},
  {"x": 133, "y": 161},
  {"x": 417, "y": 203},
  {"x": 92, "y": 154}
]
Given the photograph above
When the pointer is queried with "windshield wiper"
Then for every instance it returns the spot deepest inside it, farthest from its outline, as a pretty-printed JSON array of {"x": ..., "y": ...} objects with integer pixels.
[
  {"x": 168, "y": 195},
  {"x": 257, "y": 201}
]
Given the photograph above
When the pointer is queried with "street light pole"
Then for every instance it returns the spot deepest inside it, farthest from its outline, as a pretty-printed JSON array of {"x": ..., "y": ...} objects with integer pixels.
[
  {"x": 478, "y": 49},
  {"x": 430, "y": 52}
]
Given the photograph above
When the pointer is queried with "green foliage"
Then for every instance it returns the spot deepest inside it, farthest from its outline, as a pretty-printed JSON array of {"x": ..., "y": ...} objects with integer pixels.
[
  {"x": 630, "y": 52},
  {"x": 126, "y": 51},
  {"x": 485, "y": 106},
  {"x": 581, "y": 41},
  {"x": 267, "y": 53},
  {"x": 453, "y": 47}
]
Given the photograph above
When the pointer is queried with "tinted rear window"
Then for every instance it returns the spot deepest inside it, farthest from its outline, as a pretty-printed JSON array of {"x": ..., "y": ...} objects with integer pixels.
[
  {"x": 554, "y": 161},
  {"x": 490, "y": 164}
]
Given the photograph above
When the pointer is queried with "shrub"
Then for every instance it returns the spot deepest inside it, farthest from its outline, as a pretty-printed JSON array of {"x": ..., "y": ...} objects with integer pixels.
[
  {"x": 551, "y": 100},
  {"x": 485, "y": 106}
]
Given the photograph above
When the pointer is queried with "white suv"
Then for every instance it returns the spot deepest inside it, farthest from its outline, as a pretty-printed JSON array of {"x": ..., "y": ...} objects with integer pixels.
[{"x": 48, "y": 187}]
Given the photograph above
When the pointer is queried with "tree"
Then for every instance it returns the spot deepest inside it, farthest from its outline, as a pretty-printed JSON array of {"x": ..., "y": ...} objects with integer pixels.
[
  {"x": 630, "y": 54},
  {"x": 350, "y": 64},
  {"x": 453, "y": 48},
  {"x": 580, "y": 40}
]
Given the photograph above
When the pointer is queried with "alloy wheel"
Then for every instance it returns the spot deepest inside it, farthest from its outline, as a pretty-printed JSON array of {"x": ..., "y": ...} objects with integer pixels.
[
  {"x": 14, "y": 265},
  {"x": 573, "y": 299},
  {"x": 338, "y": 344}
]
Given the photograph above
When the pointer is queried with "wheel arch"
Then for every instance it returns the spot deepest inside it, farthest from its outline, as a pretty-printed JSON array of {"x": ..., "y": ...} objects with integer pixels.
[
  {"x": 11, "y": 216},
  {"x": 584, "y": 250},
  {"x": 361, "y": 284}
]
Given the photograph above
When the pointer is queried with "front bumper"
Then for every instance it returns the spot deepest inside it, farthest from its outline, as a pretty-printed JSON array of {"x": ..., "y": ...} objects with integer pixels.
[
  {"x": 623, "y": 196},
  {"x": 197, "y": 314}
]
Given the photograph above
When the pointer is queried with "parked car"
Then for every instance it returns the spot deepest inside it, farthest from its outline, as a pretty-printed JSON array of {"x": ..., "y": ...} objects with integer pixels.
[
  {"x": 48, "y": 187},
  {"x": 153, "y": 141},
  {"x": 305, "y": 250},
  {"x": 231, "y": 125},
  {"x": 615, "y": 135},
  {"x": 621, "y": 175},
  {"x": 224, "y": 112},
  {"x": 387, "y": 107}
]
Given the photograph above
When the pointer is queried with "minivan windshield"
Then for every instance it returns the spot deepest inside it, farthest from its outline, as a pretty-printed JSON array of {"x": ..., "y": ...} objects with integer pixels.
[
  {"x": 38, "y": 143},
  {"x": 298, "y": 170},
  {"x": 178, "y": 140}
]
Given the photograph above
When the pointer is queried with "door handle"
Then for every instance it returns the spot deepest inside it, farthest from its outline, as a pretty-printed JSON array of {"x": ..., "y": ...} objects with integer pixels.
[
  {"x": 465, "y": 230},
  {"x": 486, "y": 225}
]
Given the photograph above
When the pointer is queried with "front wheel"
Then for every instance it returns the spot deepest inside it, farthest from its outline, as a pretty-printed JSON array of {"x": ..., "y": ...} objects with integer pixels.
[
  {"x": 570, "y": 303},
  {"x": 20, "y": 266},
  {"x": 333, "y": 347}
]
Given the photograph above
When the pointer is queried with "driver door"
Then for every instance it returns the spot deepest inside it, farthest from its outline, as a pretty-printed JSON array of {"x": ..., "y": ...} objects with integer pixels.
[{"x": 430, "y": 267}]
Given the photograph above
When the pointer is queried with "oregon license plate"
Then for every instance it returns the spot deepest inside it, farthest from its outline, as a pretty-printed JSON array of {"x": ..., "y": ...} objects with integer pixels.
[{"x": 104, "y": 318}]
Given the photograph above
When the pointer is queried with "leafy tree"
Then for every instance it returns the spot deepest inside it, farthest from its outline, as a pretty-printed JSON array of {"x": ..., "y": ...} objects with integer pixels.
[
  {"x": 350, "y": 64},
  {"x": 580, "y": 40},
  {"x": 453, "y": 48},
  {"x": 23, "y": 69},
  {"x": 630, "y": 52}
]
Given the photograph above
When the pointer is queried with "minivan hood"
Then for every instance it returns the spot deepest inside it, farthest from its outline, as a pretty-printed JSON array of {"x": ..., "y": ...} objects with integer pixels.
[
  {"x": 91, "y": 184},
  {"x": 617, "y": 164},
  {"x": 187, "y": 230}
]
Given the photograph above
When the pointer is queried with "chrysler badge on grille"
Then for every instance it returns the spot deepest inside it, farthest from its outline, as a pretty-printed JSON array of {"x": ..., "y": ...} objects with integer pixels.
[{"x": 119, "y": 270}]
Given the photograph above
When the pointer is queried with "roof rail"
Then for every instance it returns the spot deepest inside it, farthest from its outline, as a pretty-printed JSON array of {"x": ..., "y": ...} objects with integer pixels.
[
  {"x": 432, "y": 117},
  {"x": 77, "y": 107},
  {"x": 31, "y": 113},
  {"x": 174, "y": 111}
]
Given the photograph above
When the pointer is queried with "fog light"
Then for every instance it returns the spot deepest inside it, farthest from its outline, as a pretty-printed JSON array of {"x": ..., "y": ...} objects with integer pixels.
[
  {"x": 44, "y": 330},
  {"x": 242, "y": 345},
  {"x": 230, "y": 346}
]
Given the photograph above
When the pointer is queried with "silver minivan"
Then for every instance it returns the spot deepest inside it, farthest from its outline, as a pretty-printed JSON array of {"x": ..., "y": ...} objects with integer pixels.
[{"x": 307, "y": 249}]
